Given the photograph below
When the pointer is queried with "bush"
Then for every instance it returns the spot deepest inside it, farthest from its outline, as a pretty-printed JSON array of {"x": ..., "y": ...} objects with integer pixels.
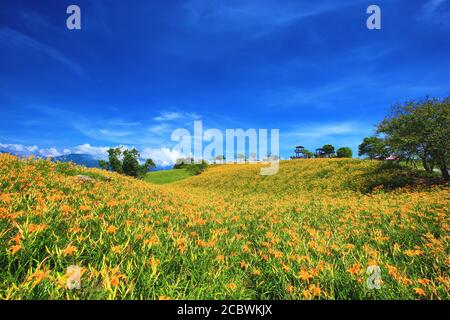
[
  {"x": 193, "y": 168},
  {"x": 344, "y": 152}
]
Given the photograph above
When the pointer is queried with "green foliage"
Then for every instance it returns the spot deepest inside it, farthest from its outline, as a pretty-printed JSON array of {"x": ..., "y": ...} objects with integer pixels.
[
  {"x": 182, "y": 163},
  {"x": 197, "y": 168},
  {"x": 192, "y": 167},
  {"x": 420, "y": 130},
  {"x": 115, "y": 164},
  {"x": 389, "y": 176},
  {"x": 126, "y": 162},
  {"x": 103, "y": 164},
  {"x": 130, "y": 163},
  {"x": 373, "y": 148},
  {"x": 308, "y": 154},
  {"x": 344, "y": 152},
  {"x": 328, "y": 149},
  {"x": 146, "y": 167}
]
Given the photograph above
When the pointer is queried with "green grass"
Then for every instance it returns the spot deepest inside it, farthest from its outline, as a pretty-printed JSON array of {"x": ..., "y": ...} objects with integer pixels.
[{"x": 167, "y": 176}]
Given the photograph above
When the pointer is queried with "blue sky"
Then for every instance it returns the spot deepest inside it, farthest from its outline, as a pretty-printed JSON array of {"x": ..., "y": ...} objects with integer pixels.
[{"x": 138, "y": 70}]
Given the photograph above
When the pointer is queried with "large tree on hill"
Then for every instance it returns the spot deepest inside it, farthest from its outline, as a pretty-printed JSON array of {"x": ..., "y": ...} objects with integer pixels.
[
  {"x": 115, "y": 164},
  {"x": 130, "y": 163},
  {"x": 146, "y": 167},
  {"x": 126, "y": 162},
  {"x": 328, "y": 149},
  {"x": 420, "y": 129},
  {"x": 373, "y": 148},
  {"x": 344, "y": 152}
]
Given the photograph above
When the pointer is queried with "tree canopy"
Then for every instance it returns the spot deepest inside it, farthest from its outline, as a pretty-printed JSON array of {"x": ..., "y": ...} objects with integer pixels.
[
  {"x": 420, "y": 130},
  {"x": 126, "y": 162},
  {"x": 344, "y": 152},
  {"x": 373, "y": 148}
]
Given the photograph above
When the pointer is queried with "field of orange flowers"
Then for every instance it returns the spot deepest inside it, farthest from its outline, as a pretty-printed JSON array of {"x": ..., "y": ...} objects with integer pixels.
[{"x": 309, "y": 232}]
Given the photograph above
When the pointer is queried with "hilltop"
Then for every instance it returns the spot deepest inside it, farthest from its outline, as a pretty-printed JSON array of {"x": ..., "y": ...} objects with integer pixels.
[{"x": 308, "y": 232}]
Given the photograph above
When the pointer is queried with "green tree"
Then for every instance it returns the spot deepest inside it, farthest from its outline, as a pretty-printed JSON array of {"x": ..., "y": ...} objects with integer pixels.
[
  {"x": 374, "y": 148},
  {"x": 146, "y": 167},
  {"x": 307, "y": 154},
  {"x": 420, "y": 130},
  {"x": 103, "y": 164},
  {"x": 344, "y": 152},
  {"x": 126, "y": 162},
  {"x": 115, "y": 163},
  {"x": 328, "y": 149},
  {"x": 130, "y": 163}
]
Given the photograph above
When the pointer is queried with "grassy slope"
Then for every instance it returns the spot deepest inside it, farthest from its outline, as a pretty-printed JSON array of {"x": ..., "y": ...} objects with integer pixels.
[
  {"x": 308, "y": 232},
  {"x": 167, "y": 176}
]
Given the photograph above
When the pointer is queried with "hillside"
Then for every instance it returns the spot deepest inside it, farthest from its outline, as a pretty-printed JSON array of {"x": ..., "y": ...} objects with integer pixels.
[
  {"x": 308, "y": 232},
  {"x": 167, "y": 176}
]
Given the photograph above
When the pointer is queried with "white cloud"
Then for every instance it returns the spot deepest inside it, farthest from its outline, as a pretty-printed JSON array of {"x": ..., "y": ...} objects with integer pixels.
[
  {"x": 161, "y": 156},
  {"x": 22, "y": 150},
  {"x": 172, "y": 116},
  {"x": 96, "y": 152}
]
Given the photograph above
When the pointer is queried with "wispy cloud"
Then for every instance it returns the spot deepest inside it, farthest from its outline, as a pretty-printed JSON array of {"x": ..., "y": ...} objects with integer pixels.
[
  {"x": 315, "y": 135},
  {"x": 171, "y": 116},
  {"x": 436, "y": 11},
  {"x": 155, "y": 132},
  {"x": 224, "y": 16},
  {"x": 22, "y": 40}
]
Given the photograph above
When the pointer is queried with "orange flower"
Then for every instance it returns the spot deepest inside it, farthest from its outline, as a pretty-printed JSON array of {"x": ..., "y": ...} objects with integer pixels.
[
  {"x": 116, "y": 249},
  {"x": 304, "y": 275},
  {"x": 36, "y": 227},
  {"x": 111, "y": 230},
  {"x": 17, "y": 238},
  {"x": 38, "y": 276},
  {"x": 70, "y": 250},
  {"x": 420, "y": 291},
  {"x": 290, "y": 288},
  {"x": 412, "y": 253},
  {"x": 256, "y": 272},
  {"x": 84, "y": 208},
  {"x": 154, "y": 263},
  {"x": 232, "y": 286},
  {"x": 153, "y": 240},
  {"x": 15, "y": 248},
  {"x": 424, "y": 281},
  {"x": 315, "y": 290},
  {"x": 65, "y": 209},
  {"x": 115, "y": 279},
  {"x": 355, "y": 269}
]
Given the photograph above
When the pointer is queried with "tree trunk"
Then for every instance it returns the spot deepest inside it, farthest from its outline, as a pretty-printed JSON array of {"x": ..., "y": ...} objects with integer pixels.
[
  {"x": 426, "y": 165},
  {"x": 444, "y": 169}
]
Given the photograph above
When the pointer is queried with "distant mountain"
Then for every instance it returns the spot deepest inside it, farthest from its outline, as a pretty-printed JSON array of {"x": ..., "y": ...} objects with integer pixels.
[{"x": 81, "y": 159}]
